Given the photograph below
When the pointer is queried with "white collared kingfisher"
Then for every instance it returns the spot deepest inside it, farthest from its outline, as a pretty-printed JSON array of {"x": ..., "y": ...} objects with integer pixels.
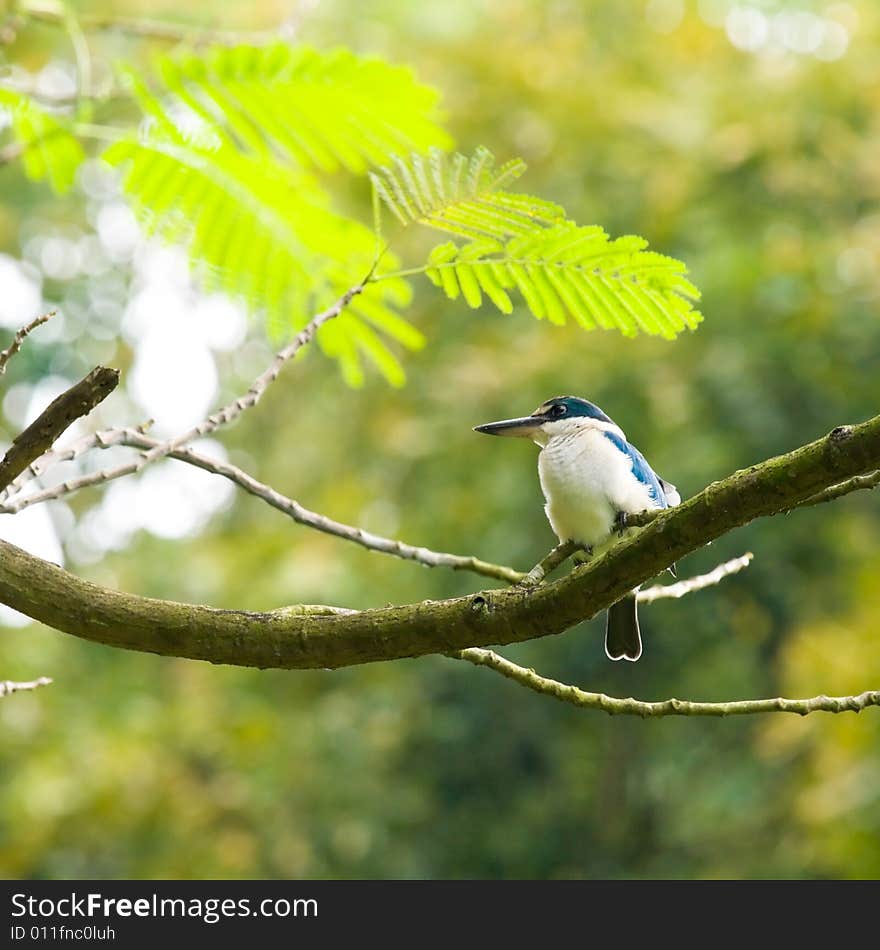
[{"x": 592, "y": 478}]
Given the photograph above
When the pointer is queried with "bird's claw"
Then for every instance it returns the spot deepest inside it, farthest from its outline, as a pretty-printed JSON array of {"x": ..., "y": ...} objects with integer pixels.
[{"x": 620, "y": 521}]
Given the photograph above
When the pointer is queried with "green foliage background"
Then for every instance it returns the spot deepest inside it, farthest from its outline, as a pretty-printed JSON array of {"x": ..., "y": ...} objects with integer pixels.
[{"x": 758, "y": 170}]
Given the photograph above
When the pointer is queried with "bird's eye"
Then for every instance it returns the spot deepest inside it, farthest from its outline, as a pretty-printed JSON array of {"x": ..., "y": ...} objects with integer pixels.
[{"x": 558, "y": 411}]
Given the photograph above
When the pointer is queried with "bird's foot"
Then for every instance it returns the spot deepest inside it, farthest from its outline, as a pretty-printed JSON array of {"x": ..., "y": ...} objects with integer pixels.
[{"x": 620, "y": 521}]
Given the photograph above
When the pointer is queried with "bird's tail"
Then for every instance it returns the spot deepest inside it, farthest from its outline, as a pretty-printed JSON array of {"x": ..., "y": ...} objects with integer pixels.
[{"x": 622, "y": 638}]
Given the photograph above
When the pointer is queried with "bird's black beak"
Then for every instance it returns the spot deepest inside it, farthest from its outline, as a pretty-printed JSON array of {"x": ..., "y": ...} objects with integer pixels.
[{"x": 524, "y": 427}]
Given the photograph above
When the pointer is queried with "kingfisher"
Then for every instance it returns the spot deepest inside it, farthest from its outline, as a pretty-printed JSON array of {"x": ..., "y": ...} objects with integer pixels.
[{"x": 592, "y": 478}]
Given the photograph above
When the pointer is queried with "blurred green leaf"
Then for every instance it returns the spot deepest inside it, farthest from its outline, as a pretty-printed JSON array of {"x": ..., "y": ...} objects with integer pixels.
[
  {"x": 321, "y": 109},
  {"x": 49, "y": 150},
  {"x": 260, "y": 228}
]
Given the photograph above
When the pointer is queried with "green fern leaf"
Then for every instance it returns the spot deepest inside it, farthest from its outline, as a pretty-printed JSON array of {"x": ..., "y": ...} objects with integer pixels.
[
  {"x": 221, "y": 162},
  {"x": 522, "y": 243},
  {"x": 462, "y": 196},
  {"x": 267, "y": 236},
  {"x": 566, "y": 271},
  {"x": 49, "y": 150},
  {"x": 318, "y": 109}
]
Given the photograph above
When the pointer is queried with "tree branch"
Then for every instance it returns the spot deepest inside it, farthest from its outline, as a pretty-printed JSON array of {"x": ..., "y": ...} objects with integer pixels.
[
  {"x": 39, "y": 436},
  {"x": 19, "y": 338},
  {"x": 669, "y": 707},
  {"x": 549, "y": 563},
  {"x": 856, "y": 483},
  {"x": 283, "y": 639},
  {"x": 692, "y": 584},
  {"x": 138, "y": 439},
  {"x": 861, "y": 482},
  {"x": 103, "y": 439},
  {"x": 7, "y": 686}
]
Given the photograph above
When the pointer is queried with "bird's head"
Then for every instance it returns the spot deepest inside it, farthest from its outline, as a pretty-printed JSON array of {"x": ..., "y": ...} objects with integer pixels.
[{"x": 557, "y": 416}]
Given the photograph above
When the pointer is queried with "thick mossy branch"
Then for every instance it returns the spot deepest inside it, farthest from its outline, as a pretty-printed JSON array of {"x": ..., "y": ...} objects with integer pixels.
[{"x": 287, "y": 639}]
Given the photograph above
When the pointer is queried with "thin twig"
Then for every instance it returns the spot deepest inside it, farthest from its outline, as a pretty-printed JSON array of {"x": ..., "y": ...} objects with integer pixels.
[
  {"x": 19, "y": 338},
  {"x": 164, "y": 30},
  {"x": 869, "y": 481},
  {"x": 7, "y": 686},
  {"x": 136, "y": 438},
  {"x": 81, "y": 53},
  {"x": 669, "y": 707},
  {"x": 691, "y": 584},
  {"x": 549, "y": 563},
  {"x": 102, "y": 439},
  {"x": 223, "y": 416},
  {"x": 234, "y": 409},
  {"x": 71, "y": 405}
]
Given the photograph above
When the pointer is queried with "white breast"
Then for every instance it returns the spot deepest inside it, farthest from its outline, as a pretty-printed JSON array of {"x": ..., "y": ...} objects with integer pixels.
[{"x": 586, "y": 481}]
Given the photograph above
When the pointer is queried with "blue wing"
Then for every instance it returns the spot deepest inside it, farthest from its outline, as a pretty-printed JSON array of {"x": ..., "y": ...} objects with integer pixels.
[{"x": 642, "y": 470}]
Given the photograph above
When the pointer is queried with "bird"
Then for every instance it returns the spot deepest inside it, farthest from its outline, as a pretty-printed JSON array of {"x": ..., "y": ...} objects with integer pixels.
[{"x": 592, "y": 478}]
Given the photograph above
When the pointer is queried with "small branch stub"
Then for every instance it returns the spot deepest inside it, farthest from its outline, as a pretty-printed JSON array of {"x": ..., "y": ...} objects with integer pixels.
[
  {"x": 7, "y": 687},
  {"x": 71, "y": 405},
  {"x": 693, "y": 584}
]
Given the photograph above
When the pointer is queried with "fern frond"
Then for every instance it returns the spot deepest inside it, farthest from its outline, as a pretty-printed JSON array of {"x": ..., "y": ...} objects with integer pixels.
[
  {"x": 221, "y": 165},
  {"x": 567, "y": 271},
  {"x": 462, "y": 196},
  {"x": 49, "y": 150},
  {"x": 264, "y": 235},
  {"x": 317, "y": 109}
]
